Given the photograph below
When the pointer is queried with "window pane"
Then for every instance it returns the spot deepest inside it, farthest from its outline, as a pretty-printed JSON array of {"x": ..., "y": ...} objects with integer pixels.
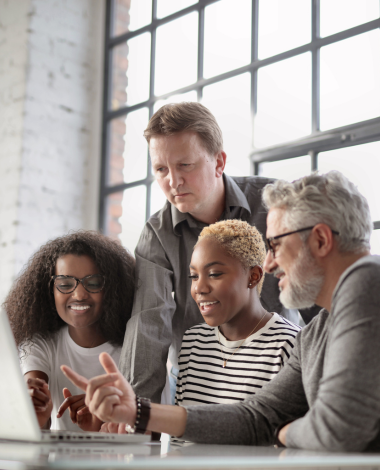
[
  {"x": 190, "y": 96},
  {"x": 234, "y": 118},
  {"x": 176, "y": 56},
  {"x": 140, "y": 14},
  {"x": 288, "y": 170},
  {"x": 128, "y": 148},
  {"x": 131, "y": 67},
  {"x": 168, "y": 7},
  {"x": 361, "y": 165},
  {"x": 129, "y": 15},
  {"x": 126, "y": 215},
  {"x": 350, "y": 77},
  {"x": 157, "y": 198},
  {"x": 283, "y": 25},
  {"x": 375, "y": 242},
  {"x": 283, "y": 101},
  {"x": 338, "y": 15},
  {"x": 227, "y": 36}
]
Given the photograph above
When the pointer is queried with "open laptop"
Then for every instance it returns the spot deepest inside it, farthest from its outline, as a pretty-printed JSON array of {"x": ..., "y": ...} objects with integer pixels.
[{"x": 18, "y": 420}]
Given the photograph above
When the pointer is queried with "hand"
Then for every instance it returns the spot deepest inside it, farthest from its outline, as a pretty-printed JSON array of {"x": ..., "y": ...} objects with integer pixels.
[
  {"x": 282, "y": 434},
  {"x": 39, "y": 392},
  {"x": 79, "y": 412},
  {"x": 109, "y": 397},
  {"x": 114, "y": 428}
]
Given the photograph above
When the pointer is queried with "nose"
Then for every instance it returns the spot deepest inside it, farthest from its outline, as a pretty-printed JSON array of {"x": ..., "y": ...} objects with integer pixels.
[
  {"x": 270, "y": 263},
  {"x": 202, "y": 286},
  {"x": 175, "y": 179},
  {"x": 80, "y": 293}
]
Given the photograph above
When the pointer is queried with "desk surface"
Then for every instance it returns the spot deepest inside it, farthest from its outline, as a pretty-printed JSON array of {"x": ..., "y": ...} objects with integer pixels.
[{"x": 25, "y": 456}]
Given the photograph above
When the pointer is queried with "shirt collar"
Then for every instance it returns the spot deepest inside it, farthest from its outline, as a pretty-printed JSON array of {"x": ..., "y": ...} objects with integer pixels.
[{"x": 234, "y": 198}]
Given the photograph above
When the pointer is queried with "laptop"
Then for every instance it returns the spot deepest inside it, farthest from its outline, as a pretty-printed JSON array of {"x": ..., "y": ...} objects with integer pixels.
[{"x": 18, "y": 420}]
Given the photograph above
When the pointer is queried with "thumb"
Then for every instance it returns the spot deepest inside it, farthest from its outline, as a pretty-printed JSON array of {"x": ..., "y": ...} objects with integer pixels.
[
  {"x": 66, "y": 393},
  {"x": 108, "y": 363}
]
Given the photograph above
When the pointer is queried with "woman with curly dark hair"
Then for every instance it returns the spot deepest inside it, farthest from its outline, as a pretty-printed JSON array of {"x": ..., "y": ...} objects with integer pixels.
[{"x": 71, "y": 302}]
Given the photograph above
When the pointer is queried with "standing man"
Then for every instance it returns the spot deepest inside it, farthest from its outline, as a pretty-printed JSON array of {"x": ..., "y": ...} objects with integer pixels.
[{"x": 186, "y": 149}]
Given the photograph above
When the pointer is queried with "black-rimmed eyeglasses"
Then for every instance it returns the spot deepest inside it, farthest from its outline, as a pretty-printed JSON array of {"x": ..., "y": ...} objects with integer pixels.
[
  {"x": 67, "y": 284},
  {"x": 270, "y": 239}
]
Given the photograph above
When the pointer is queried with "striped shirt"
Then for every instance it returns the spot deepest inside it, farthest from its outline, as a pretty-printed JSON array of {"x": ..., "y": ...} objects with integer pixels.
[{"x": 202, "y": 378}]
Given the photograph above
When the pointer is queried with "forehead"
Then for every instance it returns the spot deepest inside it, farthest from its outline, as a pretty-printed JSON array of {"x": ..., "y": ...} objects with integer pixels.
[
  {"x": 77, "y": 266},
  {"x": 276, "y": 222},
  {"x": 177, "y": 146},
  {"x": 209, "y": 250}
]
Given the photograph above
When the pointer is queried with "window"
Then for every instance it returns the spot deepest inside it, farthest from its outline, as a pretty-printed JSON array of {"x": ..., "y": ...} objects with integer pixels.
[{"x": 294, "y": 86}]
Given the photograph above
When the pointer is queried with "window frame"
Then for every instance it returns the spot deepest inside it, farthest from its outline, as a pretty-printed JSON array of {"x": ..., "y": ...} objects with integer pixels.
[{"x": 316, "y": 142}]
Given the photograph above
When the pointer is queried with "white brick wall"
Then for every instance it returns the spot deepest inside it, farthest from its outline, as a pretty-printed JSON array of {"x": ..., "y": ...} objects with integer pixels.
[{"x": 50, "y": 113}]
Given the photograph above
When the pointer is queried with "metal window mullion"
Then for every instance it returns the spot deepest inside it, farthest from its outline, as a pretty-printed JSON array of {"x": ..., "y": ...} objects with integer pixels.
[
  {"x": 151, "y": 106},
  {"x": 105, "y": 125},
  {"x": 201, "y": 47},
  {"x": 315, "y": 67},
  {"x": 254, "y": 59},
  {"x": 313, "y": 160}
]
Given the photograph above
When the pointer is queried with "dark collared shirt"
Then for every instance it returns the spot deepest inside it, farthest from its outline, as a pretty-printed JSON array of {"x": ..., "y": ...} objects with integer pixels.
[{"x": 163, "y": 307}]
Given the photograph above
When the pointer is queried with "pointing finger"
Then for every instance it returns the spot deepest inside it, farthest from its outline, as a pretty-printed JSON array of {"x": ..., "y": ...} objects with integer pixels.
[{"x": 75, "y": 378}]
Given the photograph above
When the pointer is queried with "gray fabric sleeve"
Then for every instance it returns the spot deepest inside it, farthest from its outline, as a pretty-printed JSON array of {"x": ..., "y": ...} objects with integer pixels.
[
  {"x": 345, "y": 414},
  {"x": 251, "y": 422},
  {"x": 149, "y": 331}
]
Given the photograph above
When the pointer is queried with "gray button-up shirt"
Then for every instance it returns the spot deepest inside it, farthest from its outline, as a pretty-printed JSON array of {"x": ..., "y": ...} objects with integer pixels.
[{"x": 163, "y": 307}]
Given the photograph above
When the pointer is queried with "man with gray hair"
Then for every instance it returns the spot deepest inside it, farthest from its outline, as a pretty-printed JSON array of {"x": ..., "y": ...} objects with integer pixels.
[{"x": 327, "y": 395}]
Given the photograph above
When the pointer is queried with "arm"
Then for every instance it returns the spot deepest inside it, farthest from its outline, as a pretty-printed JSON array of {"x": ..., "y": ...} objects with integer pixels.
[
  {"x": 149, "y": 331},
  {"x": 37, "y": 383},
  {"x": 111, "y": 398},
  {"x": 345, "y": 414}
]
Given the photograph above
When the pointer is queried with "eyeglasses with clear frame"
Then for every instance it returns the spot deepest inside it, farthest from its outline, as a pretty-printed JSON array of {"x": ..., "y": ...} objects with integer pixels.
[
  {"x": 269, "y": 240},
  {"x": 93, "y": 283}
]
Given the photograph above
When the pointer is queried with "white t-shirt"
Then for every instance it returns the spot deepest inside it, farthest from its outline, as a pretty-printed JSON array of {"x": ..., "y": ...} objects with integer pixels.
[
  {"x": 202, "y": 378},
  {"x": 48, "y": 355}
]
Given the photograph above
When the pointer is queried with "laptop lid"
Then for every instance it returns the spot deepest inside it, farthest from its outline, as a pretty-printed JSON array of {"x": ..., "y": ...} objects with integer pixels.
[{"x": 18, "y": 418}]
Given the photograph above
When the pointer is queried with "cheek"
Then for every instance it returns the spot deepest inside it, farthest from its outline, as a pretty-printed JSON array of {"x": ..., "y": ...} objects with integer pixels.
[{"x": 192, "y": 290}]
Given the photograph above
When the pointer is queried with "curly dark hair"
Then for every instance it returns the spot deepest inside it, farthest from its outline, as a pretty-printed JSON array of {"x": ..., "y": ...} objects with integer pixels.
[{"x": 30, "y": 304}]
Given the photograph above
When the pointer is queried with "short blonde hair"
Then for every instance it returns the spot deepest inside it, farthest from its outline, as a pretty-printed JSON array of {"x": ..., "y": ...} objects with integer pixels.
[
  {"x": 240, "y": 240},
  {"x": 173, "y": 118}
]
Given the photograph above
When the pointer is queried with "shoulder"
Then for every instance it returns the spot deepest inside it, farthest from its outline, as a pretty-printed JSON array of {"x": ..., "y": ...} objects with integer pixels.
[
  {"x": 364, "y": 272},
  {"x": 285, "y": 325},
  {"x": 42, "y": 343},
  {"x": 256, "y": 183},
  {"x": 200, "y": 330},
  {"x": 161, "y": 220}
]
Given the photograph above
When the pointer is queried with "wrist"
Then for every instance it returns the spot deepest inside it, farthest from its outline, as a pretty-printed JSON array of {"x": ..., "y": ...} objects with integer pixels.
[{"x": 142, "y": 416}]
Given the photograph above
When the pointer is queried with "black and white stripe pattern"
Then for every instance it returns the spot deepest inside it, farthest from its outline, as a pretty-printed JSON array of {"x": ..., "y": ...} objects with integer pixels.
[{"x": 202, "y": 378}]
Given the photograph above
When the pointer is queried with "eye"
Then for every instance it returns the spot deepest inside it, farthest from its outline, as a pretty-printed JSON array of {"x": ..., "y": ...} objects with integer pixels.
[
  {"x": 193, "y": 276},
  {"x": 215, "y": 274}
]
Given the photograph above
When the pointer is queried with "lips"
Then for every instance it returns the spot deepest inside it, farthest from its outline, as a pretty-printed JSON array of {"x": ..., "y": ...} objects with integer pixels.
[
  {"x": 206, "y": 306},
  {"x": 79, "y": 308}
]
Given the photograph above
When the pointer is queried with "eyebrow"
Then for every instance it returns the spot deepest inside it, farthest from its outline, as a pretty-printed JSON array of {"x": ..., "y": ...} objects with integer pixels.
[{"x": 208, "y": 265}]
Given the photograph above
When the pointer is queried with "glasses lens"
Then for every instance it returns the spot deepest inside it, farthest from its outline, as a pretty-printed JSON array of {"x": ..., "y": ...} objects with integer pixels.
[
  {"x": 65, "y": 284},
  {"x": 94, "y": 283}
]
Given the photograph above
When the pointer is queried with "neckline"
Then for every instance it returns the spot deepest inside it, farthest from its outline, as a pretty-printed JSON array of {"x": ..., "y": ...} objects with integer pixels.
[{"x": 234, "y": 344}]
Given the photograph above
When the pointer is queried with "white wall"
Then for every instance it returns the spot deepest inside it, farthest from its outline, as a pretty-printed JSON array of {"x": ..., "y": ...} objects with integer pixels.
[{"x": 51, "y": 56}]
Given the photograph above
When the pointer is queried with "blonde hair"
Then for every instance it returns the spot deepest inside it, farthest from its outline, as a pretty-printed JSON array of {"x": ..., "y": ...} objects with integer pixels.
[
  {"x": 173, "y": 118},
  {"x": 240, "y": 240}
]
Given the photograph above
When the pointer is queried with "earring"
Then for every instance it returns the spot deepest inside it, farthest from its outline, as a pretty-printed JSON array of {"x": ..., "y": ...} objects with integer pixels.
[{"x": 249, "y": 285}]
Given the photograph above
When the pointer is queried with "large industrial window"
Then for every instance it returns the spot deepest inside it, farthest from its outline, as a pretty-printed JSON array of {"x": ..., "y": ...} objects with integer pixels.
[{"x": 294, "y": 85}]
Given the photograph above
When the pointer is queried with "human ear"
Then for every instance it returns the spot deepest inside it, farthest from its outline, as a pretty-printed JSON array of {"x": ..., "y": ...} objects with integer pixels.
[
  {"x": 220, "y": 163},
  {"x": 322, "y": 240},
  {"x": 255, "y": 276}
]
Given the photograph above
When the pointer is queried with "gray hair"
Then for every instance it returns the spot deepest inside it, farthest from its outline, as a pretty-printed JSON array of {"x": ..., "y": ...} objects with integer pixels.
[{"x": 330, "y": 199}]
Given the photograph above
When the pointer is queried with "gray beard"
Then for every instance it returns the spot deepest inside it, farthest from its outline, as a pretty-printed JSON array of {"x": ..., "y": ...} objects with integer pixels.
[{"x": 305, "y": 282}]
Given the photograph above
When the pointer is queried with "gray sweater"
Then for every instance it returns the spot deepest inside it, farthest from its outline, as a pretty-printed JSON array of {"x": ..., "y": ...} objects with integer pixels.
[{"x": 330, "y": 385}]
